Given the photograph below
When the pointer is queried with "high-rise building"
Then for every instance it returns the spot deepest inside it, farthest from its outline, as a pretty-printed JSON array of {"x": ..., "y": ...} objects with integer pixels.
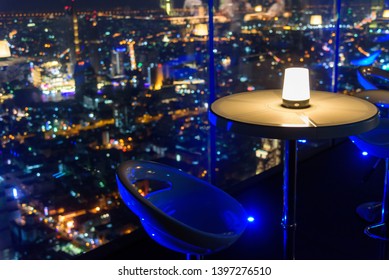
[
  {"x": 5, "y": 217},
  {"x": 92, "y": 43},
  {"x": 84, "y": 74},
  {"x": 85, "y": 80},
  {"x": 131, "y": 52},
  {"x": 155, "y": 76},
  {"x": 167, "y": 5},
  {"x": 36, "y": 75},
  {"x": 193, "y": 6},
  {"x": 117, "y": 61},
  {"x": 76, "y": 50},
  {"x": 120, "y": 114},
  {"x": 4, "y": 49}
]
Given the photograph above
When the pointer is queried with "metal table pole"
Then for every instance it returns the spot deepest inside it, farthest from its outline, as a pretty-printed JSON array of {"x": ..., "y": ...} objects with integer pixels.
[{"x": 289, "y": 198}]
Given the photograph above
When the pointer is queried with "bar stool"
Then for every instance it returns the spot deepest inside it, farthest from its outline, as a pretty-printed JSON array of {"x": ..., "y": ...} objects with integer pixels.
[
  {"x": 376, "y": 142},
  {"x": 180, "y": 211},
  {"x": 372, "y": 78}
]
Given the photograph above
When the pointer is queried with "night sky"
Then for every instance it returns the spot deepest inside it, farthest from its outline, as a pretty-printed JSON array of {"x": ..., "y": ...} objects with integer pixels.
[{"x": 57, "y": 5}]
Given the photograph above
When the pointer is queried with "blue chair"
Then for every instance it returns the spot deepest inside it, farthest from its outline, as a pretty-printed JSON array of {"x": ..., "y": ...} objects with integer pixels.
[
  {"x": 180, "y": 211},
  {"x": 372, "y": 78},
  {"x": 376, "y": 143}
]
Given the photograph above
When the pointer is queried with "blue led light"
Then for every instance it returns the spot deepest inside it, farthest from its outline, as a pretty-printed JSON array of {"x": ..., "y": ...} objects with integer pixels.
[
  {"x": 365, "y": 153},
  {"x": 250, "y": 219},
  {"x": 15, "y": 193}
]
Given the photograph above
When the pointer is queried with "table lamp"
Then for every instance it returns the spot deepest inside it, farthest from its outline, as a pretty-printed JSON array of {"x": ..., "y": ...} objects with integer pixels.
[{"x": 296, "y": 91}]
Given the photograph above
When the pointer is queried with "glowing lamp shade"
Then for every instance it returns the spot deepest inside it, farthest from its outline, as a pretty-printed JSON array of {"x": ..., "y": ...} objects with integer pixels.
[
  {"x": 296, "y": 91},
  {"x": 316, "y": 20},
  {"x": 385, "y": 13}
]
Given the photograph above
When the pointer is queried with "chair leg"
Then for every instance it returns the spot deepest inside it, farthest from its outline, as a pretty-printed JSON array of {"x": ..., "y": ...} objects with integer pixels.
[
  {"x": 371, "y": 171},
  {"x": 385, "y": 200},
  {"x": 381, "y": 230}
]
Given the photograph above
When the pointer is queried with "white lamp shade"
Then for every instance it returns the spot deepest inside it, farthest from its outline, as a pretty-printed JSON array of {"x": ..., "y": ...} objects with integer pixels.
[
  {"x": 316, "y": 20},
  {"x": 385, "y": 13},
  {"x": 296, "y": 90}
]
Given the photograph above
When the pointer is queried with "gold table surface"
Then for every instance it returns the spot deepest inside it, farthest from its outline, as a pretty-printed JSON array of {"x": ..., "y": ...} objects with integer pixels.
[{"x": 260, "y": 113}]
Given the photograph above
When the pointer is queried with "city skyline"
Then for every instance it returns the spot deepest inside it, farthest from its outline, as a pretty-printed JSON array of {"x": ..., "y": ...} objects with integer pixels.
[
  {"x": 26, "y": 5},
  {"x": 47, "y": 5}
]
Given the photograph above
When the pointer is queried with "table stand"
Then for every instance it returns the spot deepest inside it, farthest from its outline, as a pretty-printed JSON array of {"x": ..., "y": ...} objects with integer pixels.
[
  {"x": 289, "y": 198},
  {"x": 381, "y": 230}
]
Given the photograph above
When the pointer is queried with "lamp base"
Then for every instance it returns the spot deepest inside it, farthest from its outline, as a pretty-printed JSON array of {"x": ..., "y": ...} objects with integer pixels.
[{"x": 295, "y": 104}]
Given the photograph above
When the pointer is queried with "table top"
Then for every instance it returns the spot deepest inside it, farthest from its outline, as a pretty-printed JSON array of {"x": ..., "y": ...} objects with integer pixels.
[
  {"x": 260, "y": 113},
  {"x": 378, "y": 97}
]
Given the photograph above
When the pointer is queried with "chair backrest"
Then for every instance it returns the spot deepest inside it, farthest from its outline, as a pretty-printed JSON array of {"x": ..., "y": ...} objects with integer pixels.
[
  {"x": 372, "y": 78},
  {"x": 183, "y": 205},
  {"x": 375, "y": 141}
]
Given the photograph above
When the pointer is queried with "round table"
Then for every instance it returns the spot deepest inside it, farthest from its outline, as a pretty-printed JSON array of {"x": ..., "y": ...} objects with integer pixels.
[
  {"x": 378, "y": 97},
  {"x": 260, "y": 113}
]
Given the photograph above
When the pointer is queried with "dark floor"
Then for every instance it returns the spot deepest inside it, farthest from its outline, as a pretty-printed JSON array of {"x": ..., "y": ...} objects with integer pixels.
[{"x": 331, "y": 184}]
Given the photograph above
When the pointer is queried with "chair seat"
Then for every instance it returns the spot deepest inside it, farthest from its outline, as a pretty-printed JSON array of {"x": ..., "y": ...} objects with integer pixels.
[
  {"x": 376, "y": 141},
  {"x": 188, "y": 215}
]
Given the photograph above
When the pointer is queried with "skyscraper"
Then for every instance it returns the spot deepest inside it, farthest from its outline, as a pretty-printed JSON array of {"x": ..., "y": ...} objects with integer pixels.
[
  {"x": 131, "y": 52},
  {"x": 5, "y": 234},
  {"x": 84, "y": 75},
  {"x": 85, "y": 80},
  {"x": 193, "y": 6},
  {"x": 117, "y": 61},
  {"x": 4, "y": 49},
  {"x": 75, "y": 52},
  {"x": 167, "y": 5}
]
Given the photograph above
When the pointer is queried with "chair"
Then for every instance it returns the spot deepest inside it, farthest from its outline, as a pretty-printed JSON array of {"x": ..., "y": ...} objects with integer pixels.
[
  {"x": 372, "y": 78},
  {"x": 178, "y": 210},
  {"x": 376, "y": 143}
]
